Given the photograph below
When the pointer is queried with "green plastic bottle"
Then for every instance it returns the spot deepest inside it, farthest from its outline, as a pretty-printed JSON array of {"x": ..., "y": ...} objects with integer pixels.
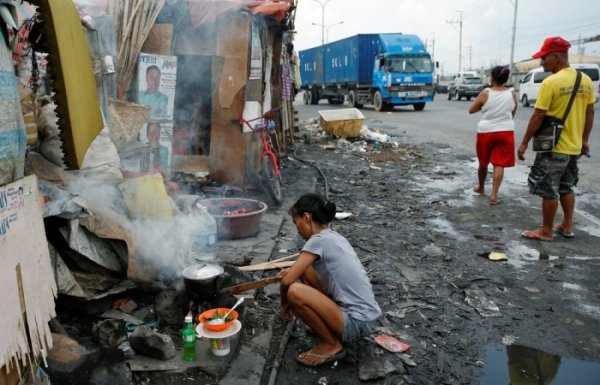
[{"x": 189, "y": 340}]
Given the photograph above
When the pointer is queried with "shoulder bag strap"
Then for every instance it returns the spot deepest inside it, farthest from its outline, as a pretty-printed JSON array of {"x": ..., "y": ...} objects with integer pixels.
[{"x": 575, "y": 88}]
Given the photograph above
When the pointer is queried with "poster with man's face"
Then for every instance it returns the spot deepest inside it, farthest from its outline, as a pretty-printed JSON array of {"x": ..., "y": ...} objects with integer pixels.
[
  {"x": 156, "y": 84},
  {"x": 159, "y": 136}
]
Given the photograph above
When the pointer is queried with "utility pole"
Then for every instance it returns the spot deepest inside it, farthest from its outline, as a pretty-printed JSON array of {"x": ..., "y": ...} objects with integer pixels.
[
  {"x": 433, "y": 49},
  {"x": 512, "y": 45},
  {"x": 470, "y": 57},
  {"x": 459, "y": 22}
]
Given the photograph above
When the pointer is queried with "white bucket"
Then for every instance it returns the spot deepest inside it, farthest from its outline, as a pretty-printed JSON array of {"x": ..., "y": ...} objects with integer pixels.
[{"x": 220, "y": 346}]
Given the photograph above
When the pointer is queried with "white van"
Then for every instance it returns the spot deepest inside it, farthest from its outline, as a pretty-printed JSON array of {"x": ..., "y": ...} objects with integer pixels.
[{"x": 530, "y": 85}]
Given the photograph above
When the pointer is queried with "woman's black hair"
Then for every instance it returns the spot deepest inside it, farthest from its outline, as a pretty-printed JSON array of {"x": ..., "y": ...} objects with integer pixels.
[
  {"x": 500, "y": 74},
  {"x": 322, "y": 211}
]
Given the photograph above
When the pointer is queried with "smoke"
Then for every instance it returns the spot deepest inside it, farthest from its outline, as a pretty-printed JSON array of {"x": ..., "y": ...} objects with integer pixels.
[
  {"x": 171, "y": 247},
  {"x": 166, "y": 246}
]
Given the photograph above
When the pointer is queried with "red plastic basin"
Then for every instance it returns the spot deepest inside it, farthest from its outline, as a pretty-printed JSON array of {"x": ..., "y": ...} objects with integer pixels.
[{"x": 235, "y": 217}]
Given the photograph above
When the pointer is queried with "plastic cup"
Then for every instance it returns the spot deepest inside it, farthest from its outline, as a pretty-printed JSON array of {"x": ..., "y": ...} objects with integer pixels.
[{"x": 220, "y": 346}]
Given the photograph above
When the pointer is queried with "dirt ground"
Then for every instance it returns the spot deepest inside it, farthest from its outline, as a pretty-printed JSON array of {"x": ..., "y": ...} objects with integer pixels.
[
  {"x": 425, "y": 250},
  {"x": 424, "y": 240}
]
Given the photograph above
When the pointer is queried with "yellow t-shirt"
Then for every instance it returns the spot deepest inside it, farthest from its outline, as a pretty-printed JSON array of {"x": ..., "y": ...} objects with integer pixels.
[{"x": 553, "y": 97}]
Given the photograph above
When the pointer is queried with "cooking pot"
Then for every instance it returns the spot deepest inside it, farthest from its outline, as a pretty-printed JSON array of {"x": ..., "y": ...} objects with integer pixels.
[{"x": 204, "y": 281}]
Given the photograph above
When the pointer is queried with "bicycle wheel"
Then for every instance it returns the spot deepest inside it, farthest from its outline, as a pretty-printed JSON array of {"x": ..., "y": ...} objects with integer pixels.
[{"x": 270, "y": 181}]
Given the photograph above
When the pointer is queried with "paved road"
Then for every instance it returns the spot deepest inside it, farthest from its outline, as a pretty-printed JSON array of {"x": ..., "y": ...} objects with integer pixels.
[{"x": 448, "y": 122}]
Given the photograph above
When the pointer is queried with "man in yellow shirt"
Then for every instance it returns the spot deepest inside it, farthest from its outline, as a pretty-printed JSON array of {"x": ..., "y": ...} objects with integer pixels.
[{"x": 554, "y": 174}]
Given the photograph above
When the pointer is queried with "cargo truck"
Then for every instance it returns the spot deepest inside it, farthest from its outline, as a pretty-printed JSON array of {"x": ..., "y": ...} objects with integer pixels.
[{"x": 385, "y": 70}]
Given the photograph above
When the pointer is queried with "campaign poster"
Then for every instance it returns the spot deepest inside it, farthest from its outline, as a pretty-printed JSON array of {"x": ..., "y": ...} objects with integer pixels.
[
  {"x": 159, "y": 135},
  {"x": 156, "y": 84}
]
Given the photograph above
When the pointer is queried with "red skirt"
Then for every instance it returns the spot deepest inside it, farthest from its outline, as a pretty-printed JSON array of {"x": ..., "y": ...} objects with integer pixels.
[{"x": 497, "y": 148}]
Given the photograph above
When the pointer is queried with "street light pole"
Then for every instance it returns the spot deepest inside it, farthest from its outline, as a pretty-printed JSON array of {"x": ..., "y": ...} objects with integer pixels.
[
  {"x": 327, "y": 28},
  {"x": 333, "y": 25},
  {"x": 322, "y": 4},
  {"x": 512, "y": 45}
]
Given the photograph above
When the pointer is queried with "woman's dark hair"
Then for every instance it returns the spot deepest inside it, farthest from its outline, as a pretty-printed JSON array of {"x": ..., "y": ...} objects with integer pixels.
[
  {"x": 500, "y": 74},
  {"x": 322, "y": 211}
]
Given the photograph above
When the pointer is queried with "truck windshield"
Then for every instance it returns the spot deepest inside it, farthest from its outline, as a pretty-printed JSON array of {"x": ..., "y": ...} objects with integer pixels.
[{"x": 409, "y": 64}]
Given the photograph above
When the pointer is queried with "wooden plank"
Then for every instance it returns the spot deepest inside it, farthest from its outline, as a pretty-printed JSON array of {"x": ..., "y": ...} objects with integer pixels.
[
  {"x": 267, "y": 266},
  {"x": 237, "y": 289},
  {"x": 260, "y": 266}
]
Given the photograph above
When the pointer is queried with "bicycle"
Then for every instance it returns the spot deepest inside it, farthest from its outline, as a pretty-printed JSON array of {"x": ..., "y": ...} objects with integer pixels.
[{"x": 270, "y": 166}]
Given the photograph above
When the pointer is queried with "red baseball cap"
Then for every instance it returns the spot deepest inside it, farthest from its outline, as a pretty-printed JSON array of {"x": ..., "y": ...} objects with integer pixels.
[{"x": 552, "y": 44}]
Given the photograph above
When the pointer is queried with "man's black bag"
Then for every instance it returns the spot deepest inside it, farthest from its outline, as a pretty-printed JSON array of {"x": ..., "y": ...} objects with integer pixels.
[{"x": 548, "y": 134}]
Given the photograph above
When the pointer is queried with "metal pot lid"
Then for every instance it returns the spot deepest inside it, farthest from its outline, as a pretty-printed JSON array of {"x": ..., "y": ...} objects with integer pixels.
[{"x": 202, "y": 271}]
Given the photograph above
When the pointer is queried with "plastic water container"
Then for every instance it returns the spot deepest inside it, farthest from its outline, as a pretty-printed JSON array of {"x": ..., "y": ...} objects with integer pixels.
[{"x": 204, "y": 242}]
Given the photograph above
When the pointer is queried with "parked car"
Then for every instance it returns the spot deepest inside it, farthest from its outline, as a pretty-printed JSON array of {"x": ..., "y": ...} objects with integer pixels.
[
  {"x": 530, "y": 85},
  {"x": 466, "y": 87}
]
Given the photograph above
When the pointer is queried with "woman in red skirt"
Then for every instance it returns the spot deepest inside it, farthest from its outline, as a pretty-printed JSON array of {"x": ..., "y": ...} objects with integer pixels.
[{"x": 495, "y": 131}]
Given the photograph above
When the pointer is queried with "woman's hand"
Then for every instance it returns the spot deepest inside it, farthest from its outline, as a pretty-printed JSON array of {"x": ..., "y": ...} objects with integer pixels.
[{"x": 282, "y": 273}]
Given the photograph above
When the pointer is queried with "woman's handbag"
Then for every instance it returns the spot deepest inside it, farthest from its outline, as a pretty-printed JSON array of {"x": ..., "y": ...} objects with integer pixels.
[{"x": 548, "y": 134}]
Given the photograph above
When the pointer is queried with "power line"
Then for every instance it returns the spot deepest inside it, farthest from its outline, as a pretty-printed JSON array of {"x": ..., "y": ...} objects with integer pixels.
[{"x": 477, "y": 7}]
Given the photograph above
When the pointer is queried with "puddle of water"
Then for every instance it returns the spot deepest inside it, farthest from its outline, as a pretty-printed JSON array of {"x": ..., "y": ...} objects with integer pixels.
[{"x": 521, "y": 365}]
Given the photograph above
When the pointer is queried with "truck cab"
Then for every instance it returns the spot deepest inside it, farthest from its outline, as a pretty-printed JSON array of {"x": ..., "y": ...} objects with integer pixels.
[
  {"x": 402, "y": 79},
  {"x": 402, "y": 73}
]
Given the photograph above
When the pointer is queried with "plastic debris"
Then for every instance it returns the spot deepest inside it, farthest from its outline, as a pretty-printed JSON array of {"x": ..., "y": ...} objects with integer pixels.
[
  {"x": 343, "y": 215},
  {"x": 391, "y": 344},
  {"x": 495, "y": 256},
  {"x": 484, "y": 306}
]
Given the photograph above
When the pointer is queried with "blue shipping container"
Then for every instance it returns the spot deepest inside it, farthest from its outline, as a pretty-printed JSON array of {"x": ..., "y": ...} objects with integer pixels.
[{"x": 347, "y": 68}]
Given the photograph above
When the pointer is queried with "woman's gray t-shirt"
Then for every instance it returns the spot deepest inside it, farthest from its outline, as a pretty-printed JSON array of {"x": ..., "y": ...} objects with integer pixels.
[{"x": 342, "y": 275}]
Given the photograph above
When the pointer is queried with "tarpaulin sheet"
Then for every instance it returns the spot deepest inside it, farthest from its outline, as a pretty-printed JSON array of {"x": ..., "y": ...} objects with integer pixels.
[
  {"x": 12, "y": 127},
  {"x": 208, "y": 11}
]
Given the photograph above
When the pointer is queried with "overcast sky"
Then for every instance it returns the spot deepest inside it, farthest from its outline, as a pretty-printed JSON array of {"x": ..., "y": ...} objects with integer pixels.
[{"x": 486, "y": 25}]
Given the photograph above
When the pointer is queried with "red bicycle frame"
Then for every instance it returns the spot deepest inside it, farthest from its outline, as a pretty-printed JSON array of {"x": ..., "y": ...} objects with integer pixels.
[{"x": 267, "y": 144}]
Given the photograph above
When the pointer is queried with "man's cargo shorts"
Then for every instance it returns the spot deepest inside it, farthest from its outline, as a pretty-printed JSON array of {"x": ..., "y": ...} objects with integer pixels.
[{"x": 553, "y": 174}]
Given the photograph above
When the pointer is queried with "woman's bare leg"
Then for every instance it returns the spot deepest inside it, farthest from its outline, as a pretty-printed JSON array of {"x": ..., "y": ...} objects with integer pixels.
[
  {"x": 496, "y": 182},
  {"x": 481, "y": 175},
  {"x": 322, "y": 315}
]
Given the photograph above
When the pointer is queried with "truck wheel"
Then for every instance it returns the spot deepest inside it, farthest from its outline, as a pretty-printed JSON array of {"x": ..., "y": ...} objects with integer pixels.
[
  {"x": 352, "y": 100},
  {"x": 525, "y": 101},
  {"x": 449, "y": 95},
  {"x": 378, "y": 102},
  {"x": 419, "y": 106},
  {"x": 468, "y": 98},
  {"x": 307, "y": 97}
]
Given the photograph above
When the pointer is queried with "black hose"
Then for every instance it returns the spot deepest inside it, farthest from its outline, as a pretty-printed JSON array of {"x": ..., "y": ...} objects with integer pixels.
[{"x": 317, "y": 168}]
